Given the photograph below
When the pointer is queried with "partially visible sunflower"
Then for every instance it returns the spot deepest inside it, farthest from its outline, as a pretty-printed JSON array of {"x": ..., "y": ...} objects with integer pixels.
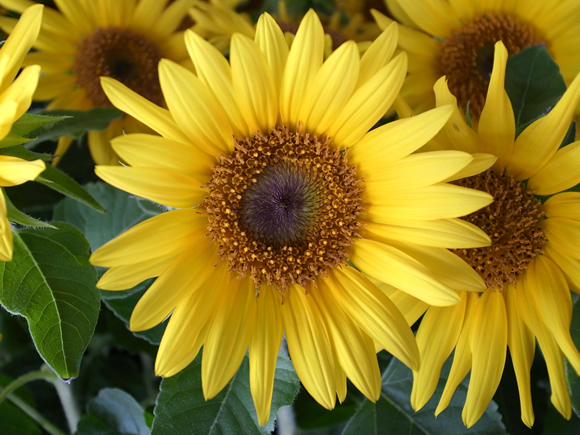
[
  {"x": 87, "y": 39},
  {"x": 456, "y": 39},
  {"x": 257, "y": 156},
  {"x": 532, "y": 263},
  {"x": 15, "y": 99}
]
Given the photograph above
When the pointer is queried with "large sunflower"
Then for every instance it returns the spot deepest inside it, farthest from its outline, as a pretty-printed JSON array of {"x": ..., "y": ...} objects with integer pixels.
[
  {"x": 15, "y": 99},
  {"x": 87, "y": 39},
  {"x": 256, "y": 156},
  {"x": 532, "y": 263},
  {"x": 456, "y": 39}
]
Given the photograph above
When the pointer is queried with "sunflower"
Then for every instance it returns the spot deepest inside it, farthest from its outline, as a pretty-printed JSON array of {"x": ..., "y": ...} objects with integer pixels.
[
  {"x": 15, "y": 99},
  {"x": 256, "y": 156},
  {"x": 532, "y": 263},
  {"x": 457, "y": 38},
  {"x": 85, "y": 40}
]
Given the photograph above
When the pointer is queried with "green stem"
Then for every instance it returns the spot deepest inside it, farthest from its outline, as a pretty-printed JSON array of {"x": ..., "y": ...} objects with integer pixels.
[
  {"x": 17, "y": 383},
  {"x": 69, "y": 404},
  {"x": 35, "y": 415}
]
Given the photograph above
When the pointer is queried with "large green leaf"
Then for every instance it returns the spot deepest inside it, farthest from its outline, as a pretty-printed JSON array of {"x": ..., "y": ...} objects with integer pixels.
[
  {"x": 51, "y": 283},
  {"x": 123, "y": 212},
  {"x": 17, "y": 217},
  {"x": 393, "y": 414},
  {"x": 113, "y": 412},
  {"x": 533, "y": 83},
  {"x": 182, "y": 410},
  {"x": 28, "y": 123}
]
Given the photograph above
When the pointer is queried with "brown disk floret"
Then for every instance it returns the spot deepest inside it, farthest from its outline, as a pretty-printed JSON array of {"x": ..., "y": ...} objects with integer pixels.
[
  {"x": 512, "y": 222},
  {"x": 466, "y": 57},
  {"x": 283, "y": 208},
  {"x": 121, "y": 54}
]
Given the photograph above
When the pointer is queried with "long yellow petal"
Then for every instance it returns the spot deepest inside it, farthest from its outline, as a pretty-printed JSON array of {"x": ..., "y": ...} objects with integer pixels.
[
  {"x": 560, "y": 173},
  {"x": 229, "y": 336},
  {"x": 254, "y": 87},
  {"x": 271, "y": 41},
  {"x": 369, "y": 103},
  {"x": 309, "y": 346},
  {"x": 564, "y": 234},
  {"x": 195, "y": 109},
  {"x": 378, "y": 54},
  {"x": 6, "y": 246},
  {"x": 162, "y": 235},
  {"x": 22, "y": 90},
  {"x": 170, "y": 188},
  {"x": 570, "y": 267},
  {"x": 392, "y": 266},
  {"x": 304, "y": 61},
  {"x": 411, "y": 308},
  {"x": 538, "y": 143},
  {"x": 397, "y": 139},
  {"x": 355, "y": 350},
  {"x": 497, "y": 125},
  {"x": 15, "y": 171},
  {"x": 181, "y": 279},
  {"x": 331, "y": 89},
  {"x": 436, "y": 17},
  {"x": 522, "y": 346},
  {"x": 481, "y": 162},
  {"x": 564, "y": 205},
  {"x": 375, "y": 314},
  {"x": 128, "y": 276},
  {"x": 436, "y": 338},
  {"x": 264, "y": 346},
  {"x": 488, "y": 338}
]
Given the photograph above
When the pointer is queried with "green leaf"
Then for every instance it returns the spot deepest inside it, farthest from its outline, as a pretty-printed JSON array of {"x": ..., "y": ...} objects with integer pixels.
[
  {"x": 76, "y": 123},
  {"x": 181, "y": 406},
  {"x": 17, "y": 217},
  {"x": 573, "y": 378},
  {"x": 534, "y": 85},
  {"x": 23, "y": 153},
  {"x": 124, "y": 212},
  {"x": 393, "y": 414},
  {"x": 113, "y": 411},
  {"x": 51, "y": 283},
  {"x": 59, "y": 181},
  {"x": 311, "y": 415},
  {"x": 14, "y": 421},
  {"x": 21, "y": 129}
]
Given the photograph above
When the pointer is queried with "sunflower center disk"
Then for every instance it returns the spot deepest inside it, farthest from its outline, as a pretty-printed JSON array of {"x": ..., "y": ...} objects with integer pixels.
[
  {"x": 512, "y": 222},
  {"x": 122, "y": 54},
  {"x": 466, "y": 58},
  {"x": 283, "y": 208}
]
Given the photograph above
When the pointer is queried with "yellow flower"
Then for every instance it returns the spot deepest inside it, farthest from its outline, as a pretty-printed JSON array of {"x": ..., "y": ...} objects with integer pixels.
[
  {"x": 532, "y": 263},
  {"x": 456, "y": 39},
  {"x": 15, "y": 99},
  {"x": 257, "y": 157},
  {"x": 87, "y": 39}
]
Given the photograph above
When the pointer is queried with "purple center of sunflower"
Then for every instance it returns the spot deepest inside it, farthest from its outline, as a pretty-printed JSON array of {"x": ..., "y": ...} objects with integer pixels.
[
  {"x": 512, "y": 222},
  {"x": 466, "y": 57},
  {"x": 121, "y": 54},
  {"x": 283, "y": 208}
]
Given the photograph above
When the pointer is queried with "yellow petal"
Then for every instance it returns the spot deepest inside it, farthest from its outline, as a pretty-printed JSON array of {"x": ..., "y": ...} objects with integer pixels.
[
  {"x": 100, "y": 145},
  {"x": 564, "y": 205},
  {"x": 375, "y": 314},
  {"x": 149, "y": 151},
  {"x": 22, "y": 89},
  {"x": 228, "y": 336},
  {"x": 547, "y": 289},
  {"x": 271, "y": 41},
  {"x": 309, "y": 346},
  {"x": 560, "y": 173},
  {"x": 462, "y": 357},
  {"x": 538, "y": 143},
  {"x": 264, "y": 346},
  {"x": 497, "y": 125},
  {"x": 7, "y": 116},
  {"x": 488, "y": 338},
  {"x": 378, "y": 54},
  {"x": 392, "y": 266},
  {"x": 442, "y": 233},
  {"x": 170, "y": 188},
  {"x": 182, "y": 278},
  {"x": 64, "y": 143},
  {"x": 331, "y": 89},
  {"x": 143, "y": 110},
  {"x": 368, "y": 104},
  {"x": 481, "y": 162},
  {"x": 195, "y": 109},
  {"x": 397, "y": 139},
  {"x": 564, "y": 234},
  {"x": 128, "y": 276},
  {"x": 15, "y": 171},
  {"x": 189, "y": 323},
  {"x": 522, "y": 346},
  {"x": 253, "y": 83},
  {"x": 355, "y": 350},
  {"x": 213, "y": 69},
  {"x": 411, "y": 308},
  {"x": 570, "y": 267},
  {"x": 436, "y": 338},
  {"x": 163, "y": 235},
  {"x": 6, "y": 246},
  {"x": 436, "y": 17},
  {"x": 304, "y": 61}
]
